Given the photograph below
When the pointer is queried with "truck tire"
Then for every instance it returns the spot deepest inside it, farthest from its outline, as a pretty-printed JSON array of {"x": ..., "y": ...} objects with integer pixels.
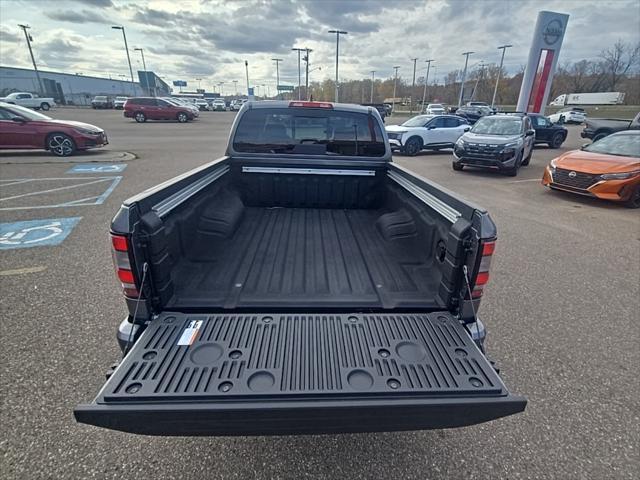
[
  {"x": 45, "y": 106},
  {"x": 634, "y": 199},
  {"x": 556, "y": 141},
  {"x": 600, "y": 135},
  {"x": 412, "y": 147},
  {"x": 60, "y": 144},
  {"x": 140, "y": 117}
]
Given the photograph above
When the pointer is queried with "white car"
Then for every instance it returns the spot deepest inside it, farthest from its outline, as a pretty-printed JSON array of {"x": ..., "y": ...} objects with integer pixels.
[
  {"x": 435, "y": 109},
  {"x": 218, "y": 105},
  {"x": 202, "y": 104},
  {"x": 431, "y": 132},
  {"x": 118, "y": 102},
  {"x": 30, "y": 100},
  {"x": 183, "y": 103},
  {"x": 569, "y": 115}
]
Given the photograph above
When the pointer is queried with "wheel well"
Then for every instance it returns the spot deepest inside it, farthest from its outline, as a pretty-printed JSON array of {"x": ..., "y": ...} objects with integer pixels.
[
  {"x": 417, "y": 137},
  {"x": 606, "y": 131},
  {"x": 49, "y": 135}
]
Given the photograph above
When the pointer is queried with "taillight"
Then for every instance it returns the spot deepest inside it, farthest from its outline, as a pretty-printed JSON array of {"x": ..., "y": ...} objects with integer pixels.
[
  {"x": 311, "y": 104},
  {"x": 120, "y": 252},
  {"x": 482, "y": 277}
]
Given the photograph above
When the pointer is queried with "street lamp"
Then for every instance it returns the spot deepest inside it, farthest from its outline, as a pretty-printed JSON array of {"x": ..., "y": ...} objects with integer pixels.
[
  {"x": 299, "y": 75},
  {"x": 426, "y": 80},
  {"x": 413, "y": 85},
  {"x": 221, "y": 88},
  {"x": 144, "y": 65},
  {"x": 495, "y": 91},
  {"x": 338, "y": 33},
  {"x": 306, "y": 77},
  {"x": 246, "y": 68},
  {"x": 277, "y": 60},
  {"x": 35, "y": 68},
  {"x": 235, "y": 87},
  {"x": 126, "y": 47},
  {"x": 395, "y": 81},
  {"x": 464, "y": 76},
  {"x": 373, "y": 79},
  {"x": 198, "y": 80}
]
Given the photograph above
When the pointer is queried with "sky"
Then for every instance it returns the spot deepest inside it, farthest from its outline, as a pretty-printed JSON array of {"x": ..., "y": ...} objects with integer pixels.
[{"x": 211, "y": 39}]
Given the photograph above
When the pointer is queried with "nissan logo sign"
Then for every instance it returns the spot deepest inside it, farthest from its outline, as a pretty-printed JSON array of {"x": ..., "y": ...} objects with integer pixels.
[
  {"x": 572, "y": 174},
  {"x": 552, "y": 32}
]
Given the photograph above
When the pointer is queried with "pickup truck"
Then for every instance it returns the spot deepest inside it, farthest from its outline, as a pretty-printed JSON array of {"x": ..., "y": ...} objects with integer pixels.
[
  {"x": 597, "y": 128},
  {"x": 30, "y": 100},
  {"x": 303, "y": 283}
]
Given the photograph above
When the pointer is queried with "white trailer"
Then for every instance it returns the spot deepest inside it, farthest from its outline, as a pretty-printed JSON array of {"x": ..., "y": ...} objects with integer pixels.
[{"x": 596, "y": 98}]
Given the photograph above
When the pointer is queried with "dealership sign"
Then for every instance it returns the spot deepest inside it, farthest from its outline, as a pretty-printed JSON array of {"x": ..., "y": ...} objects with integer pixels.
[{"x": 179, "y": 83}]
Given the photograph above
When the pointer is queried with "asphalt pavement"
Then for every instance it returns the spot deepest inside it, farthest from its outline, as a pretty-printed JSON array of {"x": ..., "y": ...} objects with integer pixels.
[{"x": 562, "y": 310}]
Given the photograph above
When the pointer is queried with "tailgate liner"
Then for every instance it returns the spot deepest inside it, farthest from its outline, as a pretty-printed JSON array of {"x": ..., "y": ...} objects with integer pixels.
[{"x": 293, "y": 373}]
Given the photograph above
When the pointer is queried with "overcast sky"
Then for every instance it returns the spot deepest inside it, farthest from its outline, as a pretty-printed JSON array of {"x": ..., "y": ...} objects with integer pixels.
[{"x": 210, "y": 39}]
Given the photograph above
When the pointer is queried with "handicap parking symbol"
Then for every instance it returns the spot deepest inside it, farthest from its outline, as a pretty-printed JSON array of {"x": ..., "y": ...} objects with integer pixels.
[
  {"x": 36, "y": 233},
  {"x": 97, "y": 168}
]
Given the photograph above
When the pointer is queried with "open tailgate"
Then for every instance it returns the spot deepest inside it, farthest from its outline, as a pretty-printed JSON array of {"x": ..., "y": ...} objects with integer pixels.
[{"x": 264, "y": 374}]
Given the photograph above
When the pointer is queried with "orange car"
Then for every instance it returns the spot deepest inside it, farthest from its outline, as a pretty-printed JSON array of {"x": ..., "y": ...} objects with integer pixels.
[{"x": 607, "y": 169}]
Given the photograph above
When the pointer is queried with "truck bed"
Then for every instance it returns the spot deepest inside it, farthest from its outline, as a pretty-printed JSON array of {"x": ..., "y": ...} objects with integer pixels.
[{"x": 308, "y": 257}]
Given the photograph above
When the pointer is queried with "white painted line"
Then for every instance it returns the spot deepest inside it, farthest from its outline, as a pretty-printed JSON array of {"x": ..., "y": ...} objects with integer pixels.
[
  {"x": 55, "y": 189},
  {"x": 14, "y": 182},
  {"x": 22, "y": 271}
]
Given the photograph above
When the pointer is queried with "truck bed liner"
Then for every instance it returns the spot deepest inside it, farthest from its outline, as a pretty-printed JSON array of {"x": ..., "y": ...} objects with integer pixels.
[
  {"x": 244, "y": 372},
  {"x": 303, "y": 257}
]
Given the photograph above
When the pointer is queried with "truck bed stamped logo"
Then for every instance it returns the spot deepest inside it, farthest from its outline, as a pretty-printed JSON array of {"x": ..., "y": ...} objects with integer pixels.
[{"x": 190, "y": 333}]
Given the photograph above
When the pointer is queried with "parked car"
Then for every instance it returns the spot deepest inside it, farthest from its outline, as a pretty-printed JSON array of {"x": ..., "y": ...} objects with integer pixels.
[
  {"x": 218, "y": 105},
  {"x": 31, "y": 100},
  {"x": 101, "y": 101},
  {"x": 377, "y": 272},
  {"x": 569, "y": 115},
  {"x": 608, "y": 169},
  {"x": 202, "y": 104},
  {"x": 235, "y": 105},
  {"x": 422, "y": 132},
  {"x": 598, "y": 128},
  {"x": 23, "y": 128},
  {"x": 142, "y": 109},
  {"x": 478, "y": 104},
  {"x": 434, "y": 109},
  {"x": 499, "y": 142},
  {"x": 473, "y": 114},
  {"x": 547, "y": 132},
  {"x": 118, "y": 102},
  {"x": 389, "y": 109},
  {"x": 181, "y": 102}
]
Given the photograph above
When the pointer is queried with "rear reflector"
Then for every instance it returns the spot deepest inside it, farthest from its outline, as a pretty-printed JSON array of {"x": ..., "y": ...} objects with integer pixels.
[
  {"x": 482, "y": 276},
  {"x": 310, "y": 105},
  {"x": 122, "y": 263}
]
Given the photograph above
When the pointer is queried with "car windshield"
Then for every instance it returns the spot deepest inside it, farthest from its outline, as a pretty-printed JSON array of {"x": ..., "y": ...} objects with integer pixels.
[
  {"x": 417, "y": 121},
  {"x": 498, "y": 126},
  {"x": 627, "y": 145},
  {"x": 27, "y": 113},
  {"x": 308, "y": 131},
  {"x": 120, "y": 99}
]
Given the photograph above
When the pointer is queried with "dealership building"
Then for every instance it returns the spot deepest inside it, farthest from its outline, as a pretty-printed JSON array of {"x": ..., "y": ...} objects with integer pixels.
[{"x": 77, "y": 89}]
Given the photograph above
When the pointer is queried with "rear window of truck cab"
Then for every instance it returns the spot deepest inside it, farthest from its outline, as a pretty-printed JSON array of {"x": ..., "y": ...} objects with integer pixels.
[{"x": 309, "y": 131}]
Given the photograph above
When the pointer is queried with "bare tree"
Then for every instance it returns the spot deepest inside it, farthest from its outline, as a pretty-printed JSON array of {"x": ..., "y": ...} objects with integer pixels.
[{"x": 618, "y": 60}]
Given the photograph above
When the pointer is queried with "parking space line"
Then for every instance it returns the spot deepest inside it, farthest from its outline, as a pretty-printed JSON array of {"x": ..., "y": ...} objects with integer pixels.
[
  {"x": 21, "y": 271},
  {"x": 69, "y": 187}
]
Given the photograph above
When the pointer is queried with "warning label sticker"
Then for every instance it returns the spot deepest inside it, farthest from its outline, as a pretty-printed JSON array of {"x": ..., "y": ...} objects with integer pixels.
[{"x": 190, "y": 333}]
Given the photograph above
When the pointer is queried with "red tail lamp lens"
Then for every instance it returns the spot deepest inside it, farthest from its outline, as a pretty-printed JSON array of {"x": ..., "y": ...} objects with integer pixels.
[{"x": 119, "y": 243}]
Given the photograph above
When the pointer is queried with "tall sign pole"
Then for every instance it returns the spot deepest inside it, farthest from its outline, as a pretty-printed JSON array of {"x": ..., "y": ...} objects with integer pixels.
[
  {"x": 277, "y": 60},
  {"x": 426, "y": 81},
  {"x": 464, "y": 76},
  {"x": 33, "y": 60},
  {"x": 338, "y": 33}
]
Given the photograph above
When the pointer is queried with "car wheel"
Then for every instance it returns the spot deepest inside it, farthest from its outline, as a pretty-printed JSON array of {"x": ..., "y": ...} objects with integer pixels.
[
  {"x": 634, "y": 199},
  {"x": 45, "y": 106},
  {"x": 513, "y": 171},
  {"x": 140, "y": 117},
  {"x": 526, "y": 161},
  {"x": 557, "y": 140},
  {"x": 182, "y": 117},
  {"x": 600, "y": 136},
  {"x": 456, "y": 166},
  {"x": 412, "y": 147},
  {"x": 61, "y": 145}
]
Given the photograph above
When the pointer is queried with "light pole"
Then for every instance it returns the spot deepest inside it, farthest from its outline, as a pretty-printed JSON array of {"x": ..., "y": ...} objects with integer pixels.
[
  {"x": 198, "y": 80},
  {"x": 235, "y": 87},
  {"x": 144, "y": 65},
  {"x": 413, "y": 85},
  {"x": 299, "y": 74},
  {"x": 126, "y": 47},
  {"x": 464, "y": 76},
  {"x": 373, "y": 79},
  {"x": 395, "y": 81},
  {"x": 426, "y": 80},
  {"x": 306, "y": 77},
  {"x": 338, "y": 33},
  {"x": 495, "y": 91},
  {"x": 478, "y": 78},
  {"x": 277, "y": 60},
  {"x": 35, "y": 68},
  {"x": 246, "y": 68}
]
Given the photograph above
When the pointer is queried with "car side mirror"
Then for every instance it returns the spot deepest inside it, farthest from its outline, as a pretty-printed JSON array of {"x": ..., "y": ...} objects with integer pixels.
[
  {"x": 466, "y": 129},
  {"x": 530, "y": 133},
  {"x": 18, "y": 119}
]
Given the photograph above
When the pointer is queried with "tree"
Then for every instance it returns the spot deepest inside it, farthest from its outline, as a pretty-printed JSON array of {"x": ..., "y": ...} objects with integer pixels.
[{"x": 618, "y": 61}]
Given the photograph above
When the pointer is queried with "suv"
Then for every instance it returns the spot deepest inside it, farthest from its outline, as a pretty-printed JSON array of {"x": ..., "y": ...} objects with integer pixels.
[
  {"x": 426, "y": 132},
  {"x": 499, "y": 142},
  {"x": 101, "y": 101},
  {"x": 473, "y": 114},
  {"x": 548, "y": 132},
  {"x": 148, "y": 108}
]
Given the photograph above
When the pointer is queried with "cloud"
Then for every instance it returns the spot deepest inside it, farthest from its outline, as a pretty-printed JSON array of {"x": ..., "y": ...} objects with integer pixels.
[
  {"x": 96, "y": 3},
  {"x": 84, "y": 16},
  {"x": 8, "y": 36}
]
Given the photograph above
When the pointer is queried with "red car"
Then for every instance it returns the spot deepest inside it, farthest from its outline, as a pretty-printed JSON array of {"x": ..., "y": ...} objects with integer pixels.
[
  {"x": 21, "y": 127},
  {"x": 148, "y": 108}
]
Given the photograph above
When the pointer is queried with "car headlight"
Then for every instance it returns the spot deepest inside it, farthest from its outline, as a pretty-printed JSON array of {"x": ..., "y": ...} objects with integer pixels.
[
  {"x": 552, "y": 164},
  {"x": 619, "y": 176},
  {"x": 460, "y": 143},
  {"x": 511, "y": 146},
  {"x": 86, "y": 131}
]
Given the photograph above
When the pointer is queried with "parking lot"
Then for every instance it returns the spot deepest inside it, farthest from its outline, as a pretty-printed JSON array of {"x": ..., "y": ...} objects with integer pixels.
[{"x": 562, "y": 310}]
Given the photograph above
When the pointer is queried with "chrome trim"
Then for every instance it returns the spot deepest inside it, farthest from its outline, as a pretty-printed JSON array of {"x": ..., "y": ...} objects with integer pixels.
[
  {"x": 438, "y": 205},
  {"x": 309, "y": 171},
  {"x": 165, "y": 206}
]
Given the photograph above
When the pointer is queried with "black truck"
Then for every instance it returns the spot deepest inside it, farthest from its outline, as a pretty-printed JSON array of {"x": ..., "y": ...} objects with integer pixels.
[
  {"x": 597, "y": 128},
  {"x": 300, "y": 284}
]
